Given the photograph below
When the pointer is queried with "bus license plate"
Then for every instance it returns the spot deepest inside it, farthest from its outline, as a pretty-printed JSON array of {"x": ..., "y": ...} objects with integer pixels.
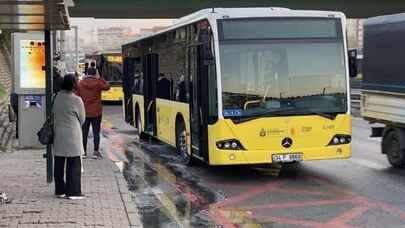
[{"x": 286, "y": 157}]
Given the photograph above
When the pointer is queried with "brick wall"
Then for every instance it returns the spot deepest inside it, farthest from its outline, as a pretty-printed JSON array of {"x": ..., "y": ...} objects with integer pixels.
[{"x": 5, "y": 71}]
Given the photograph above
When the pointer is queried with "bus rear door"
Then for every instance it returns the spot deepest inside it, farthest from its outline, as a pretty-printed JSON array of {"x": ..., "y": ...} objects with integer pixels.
[{"x": 151, "y": 71}]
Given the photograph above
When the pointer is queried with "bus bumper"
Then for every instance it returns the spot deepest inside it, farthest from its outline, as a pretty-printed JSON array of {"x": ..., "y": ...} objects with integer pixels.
[
  {"x": 250, "y": 157},
  {"x": 114, "y": 94}
]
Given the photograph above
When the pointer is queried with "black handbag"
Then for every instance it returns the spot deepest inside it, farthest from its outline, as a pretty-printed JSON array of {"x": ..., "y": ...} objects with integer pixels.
[{"x": 46, "y": 133}]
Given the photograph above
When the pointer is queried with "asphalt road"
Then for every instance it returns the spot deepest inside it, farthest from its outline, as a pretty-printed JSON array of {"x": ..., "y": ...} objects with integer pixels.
[{"x": 363, "y": 191}]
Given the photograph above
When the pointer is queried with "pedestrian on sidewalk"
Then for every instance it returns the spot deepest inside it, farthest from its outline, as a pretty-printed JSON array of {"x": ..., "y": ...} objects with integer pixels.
[
  {"x": 69, "y": 115},
  {"x": 90, "y": 89},
  {"x": 86, "y": 67}
]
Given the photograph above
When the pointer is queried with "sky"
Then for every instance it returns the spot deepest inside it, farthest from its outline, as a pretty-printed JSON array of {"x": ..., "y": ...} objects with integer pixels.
[
  {"x": 85, "y": 25},
  {"x": 135, "y": 24}
]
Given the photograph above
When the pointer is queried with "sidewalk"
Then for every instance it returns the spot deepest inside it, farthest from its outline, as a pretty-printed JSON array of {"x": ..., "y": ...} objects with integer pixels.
[{"x": 23, "y": 178}]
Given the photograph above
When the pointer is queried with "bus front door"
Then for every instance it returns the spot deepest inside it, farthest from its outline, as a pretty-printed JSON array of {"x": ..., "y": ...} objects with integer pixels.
[
  {"x": 151, "y": 71},
  {"x": 128, "y": 88},
  {"x": 198, "y": 90}
]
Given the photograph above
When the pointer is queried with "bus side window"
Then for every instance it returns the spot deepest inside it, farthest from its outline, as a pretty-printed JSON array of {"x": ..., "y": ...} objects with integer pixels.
[{"x": 163, "y": 87}]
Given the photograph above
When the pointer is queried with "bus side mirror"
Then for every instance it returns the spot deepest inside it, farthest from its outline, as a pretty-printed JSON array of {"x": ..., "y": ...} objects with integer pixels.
[{"x": 352, "y": 63}]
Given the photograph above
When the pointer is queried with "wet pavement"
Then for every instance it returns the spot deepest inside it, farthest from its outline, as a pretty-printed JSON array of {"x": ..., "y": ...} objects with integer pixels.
[{"x": 360, "y": 192}]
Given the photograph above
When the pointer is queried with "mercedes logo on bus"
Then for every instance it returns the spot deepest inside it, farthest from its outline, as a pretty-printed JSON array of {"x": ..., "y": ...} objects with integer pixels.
[{"x": 287, "y": 142}]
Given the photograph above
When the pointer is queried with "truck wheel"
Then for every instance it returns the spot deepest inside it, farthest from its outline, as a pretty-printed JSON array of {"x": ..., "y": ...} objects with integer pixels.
[{"x": 391, "y": 146}]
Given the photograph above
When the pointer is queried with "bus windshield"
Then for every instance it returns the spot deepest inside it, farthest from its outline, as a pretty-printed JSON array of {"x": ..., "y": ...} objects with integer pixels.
[
  {"x": 112, "y": 69},
  {"x": 282, "y": 76}
]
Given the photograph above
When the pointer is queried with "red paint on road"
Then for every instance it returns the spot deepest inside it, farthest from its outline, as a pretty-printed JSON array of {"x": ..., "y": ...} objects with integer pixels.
[
  {"x": 217, "y": 216},
  {"x": 347, "y": 216},
  {"x": 248, "y": 194},
  {"x": 302, "y": 204}
]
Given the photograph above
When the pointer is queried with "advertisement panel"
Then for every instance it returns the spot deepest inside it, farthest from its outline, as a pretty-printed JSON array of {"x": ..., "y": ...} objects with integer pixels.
[
  {"x": 29, "y": 62},
  {"x": 32, "y": 60}
]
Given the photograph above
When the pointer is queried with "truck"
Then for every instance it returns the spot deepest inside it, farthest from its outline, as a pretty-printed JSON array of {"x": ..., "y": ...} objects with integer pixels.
[{"x": 383, "y": 87}]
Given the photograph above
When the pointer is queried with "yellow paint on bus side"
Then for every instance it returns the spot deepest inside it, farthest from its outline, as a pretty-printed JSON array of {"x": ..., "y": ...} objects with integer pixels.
[
  {"x": 262, "y": 138},
  {"x": 167, "y": 112},
  {"x": 114, "y": 94}
]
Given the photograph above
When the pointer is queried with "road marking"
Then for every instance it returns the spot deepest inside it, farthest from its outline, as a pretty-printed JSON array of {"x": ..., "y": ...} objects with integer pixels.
[{"x": 368, "y": 163}]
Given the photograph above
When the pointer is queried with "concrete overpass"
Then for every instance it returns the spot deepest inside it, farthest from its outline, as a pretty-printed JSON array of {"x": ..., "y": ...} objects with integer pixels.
[{"x": 178, "y": 8}]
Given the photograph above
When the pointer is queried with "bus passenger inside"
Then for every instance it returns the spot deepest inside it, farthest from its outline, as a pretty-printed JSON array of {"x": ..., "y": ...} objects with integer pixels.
[
  {"x": 138, "y": 82},
  {"x": 181, "y": 93},
  {"x": 163, "y": 87}
]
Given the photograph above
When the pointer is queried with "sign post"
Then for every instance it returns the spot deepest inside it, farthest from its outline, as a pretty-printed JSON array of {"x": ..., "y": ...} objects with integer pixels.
[{"x": 49, "y": 92}]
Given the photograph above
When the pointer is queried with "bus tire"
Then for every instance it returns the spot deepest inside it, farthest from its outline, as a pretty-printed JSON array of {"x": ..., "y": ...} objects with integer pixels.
[
  {"x": 181, "y": 144},
  {"x": 141, "y": 135},
  {"x": 391, "y": 146}
]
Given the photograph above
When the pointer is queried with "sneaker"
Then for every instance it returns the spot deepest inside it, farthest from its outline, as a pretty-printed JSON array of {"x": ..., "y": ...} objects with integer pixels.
[
  {"x": 97, "y": 155},
  {"x": 75, "y": 197},
  {"x": 60, "y": 196}
]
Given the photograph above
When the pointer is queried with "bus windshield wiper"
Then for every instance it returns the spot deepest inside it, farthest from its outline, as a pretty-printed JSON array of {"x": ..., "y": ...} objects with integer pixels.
[
  {"x": 285, "y": 111},
  {"x": 330, "y": 116}
]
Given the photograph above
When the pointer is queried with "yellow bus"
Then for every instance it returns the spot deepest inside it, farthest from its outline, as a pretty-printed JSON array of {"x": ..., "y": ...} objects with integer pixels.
[
  {"x": 110, "y": 68},
  {"x": 244, "y": 86}
]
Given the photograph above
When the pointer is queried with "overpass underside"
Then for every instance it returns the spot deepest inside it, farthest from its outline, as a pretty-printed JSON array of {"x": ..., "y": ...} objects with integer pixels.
[{"x": 177, "y": 8}]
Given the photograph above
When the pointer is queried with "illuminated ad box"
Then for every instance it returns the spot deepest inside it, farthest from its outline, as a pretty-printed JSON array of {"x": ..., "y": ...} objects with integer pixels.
[{"x": 29, "y": 62}]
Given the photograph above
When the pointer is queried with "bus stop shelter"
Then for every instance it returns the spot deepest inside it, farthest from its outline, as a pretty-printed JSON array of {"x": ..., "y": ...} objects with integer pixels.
[{"x": 38, "y": 15}]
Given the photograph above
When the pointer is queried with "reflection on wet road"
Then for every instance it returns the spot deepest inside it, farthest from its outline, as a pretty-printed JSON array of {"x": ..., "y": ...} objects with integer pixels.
[{"x": 361, "y": 192}]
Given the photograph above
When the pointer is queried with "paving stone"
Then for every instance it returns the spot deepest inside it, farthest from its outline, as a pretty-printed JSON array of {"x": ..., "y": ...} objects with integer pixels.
[{"x": 23, "y": 178}]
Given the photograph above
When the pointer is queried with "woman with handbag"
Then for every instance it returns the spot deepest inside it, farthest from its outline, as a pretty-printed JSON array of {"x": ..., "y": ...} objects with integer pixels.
[{"x": 69, "y": 115}]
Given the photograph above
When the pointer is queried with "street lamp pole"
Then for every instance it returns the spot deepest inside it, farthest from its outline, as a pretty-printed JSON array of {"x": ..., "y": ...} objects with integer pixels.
[{"x": 76, "y": 46}]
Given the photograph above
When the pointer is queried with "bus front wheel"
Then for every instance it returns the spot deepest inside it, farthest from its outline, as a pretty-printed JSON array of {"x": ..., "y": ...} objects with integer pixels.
[{"x": 181, "y": 144}]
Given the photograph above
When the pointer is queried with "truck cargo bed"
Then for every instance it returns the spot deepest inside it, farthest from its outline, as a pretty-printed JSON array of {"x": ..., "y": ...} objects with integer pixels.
[{"x": 383, "y": 107}]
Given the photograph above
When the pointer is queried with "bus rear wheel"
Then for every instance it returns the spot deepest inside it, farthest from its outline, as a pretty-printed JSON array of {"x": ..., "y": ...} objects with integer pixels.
[
  {"x": 391, "y": 146},
  {"x": 141, "y": 135},
  {"x": 181, "y": 144}
]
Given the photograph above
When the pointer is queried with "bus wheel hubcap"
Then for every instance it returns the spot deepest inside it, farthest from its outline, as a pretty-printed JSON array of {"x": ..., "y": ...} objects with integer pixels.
[{"x": 183, "y": 144}]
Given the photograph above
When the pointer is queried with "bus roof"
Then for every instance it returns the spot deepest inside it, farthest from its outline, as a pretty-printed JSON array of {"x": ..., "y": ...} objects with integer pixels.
[{"x": 219, "y": 13}]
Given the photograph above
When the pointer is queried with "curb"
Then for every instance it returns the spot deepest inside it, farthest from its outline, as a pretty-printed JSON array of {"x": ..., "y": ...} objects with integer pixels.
[{"x": 130, "y": 209}]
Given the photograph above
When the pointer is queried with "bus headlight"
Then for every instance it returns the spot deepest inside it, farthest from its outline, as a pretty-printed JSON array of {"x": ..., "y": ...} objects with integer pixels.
[
  {"x": 340, "y": 139},
  {"x": 230, "y": 144}
]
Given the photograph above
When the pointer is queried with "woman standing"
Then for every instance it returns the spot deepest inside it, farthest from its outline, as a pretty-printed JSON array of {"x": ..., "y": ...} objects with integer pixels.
[{"x": 69, "y": 115}]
